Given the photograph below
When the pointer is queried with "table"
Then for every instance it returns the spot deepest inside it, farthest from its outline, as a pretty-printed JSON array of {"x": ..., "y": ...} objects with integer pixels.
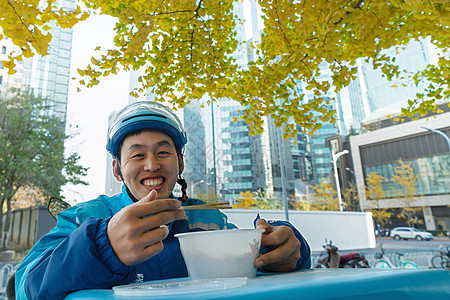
[{"x": 377, "y": 284}]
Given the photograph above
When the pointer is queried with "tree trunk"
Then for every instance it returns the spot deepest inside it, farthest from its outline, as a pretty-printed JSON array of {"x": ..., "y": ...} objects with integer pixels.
[
  {"x": 2, "y": 202},
  {"x": 7, "y": 225}
]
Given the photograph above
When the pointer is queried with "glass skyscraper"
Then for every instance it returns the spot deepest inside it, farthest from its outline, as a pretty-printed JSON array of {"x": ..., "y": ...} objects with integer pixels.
[
  {"x": 382, "y": 92},
  {"x": 195, "y": 172}
]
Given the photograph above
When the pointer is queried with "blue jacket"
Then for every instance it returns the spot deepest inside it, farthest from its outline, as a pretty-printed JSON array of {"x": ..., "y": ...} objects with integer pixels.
[{"x": 77, "y": 255}]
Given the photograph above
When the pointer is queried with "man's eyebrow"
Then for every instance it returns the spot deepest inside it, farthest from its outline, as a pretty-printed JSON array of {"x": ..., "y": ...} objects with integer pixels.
[
  {"x": 135, "y": 146},
  {"x": 163, "y": 143},
  {"x": 141, "y": 146}
]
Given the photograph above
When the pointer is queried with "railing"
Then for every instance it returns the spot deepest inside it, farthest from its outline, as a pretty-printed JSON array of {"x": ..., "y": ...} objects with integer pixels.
[
  {"x": 421, "y": 258},
  {"x": 6, "y": 270}
]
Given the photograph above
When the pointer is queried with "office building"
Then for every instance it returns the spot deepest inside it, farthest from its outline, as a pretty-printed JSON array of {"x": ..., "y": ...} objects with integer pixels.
[
  {"x": 112, "y": 185},
  {"x": 317, "y": 151},
  {"x": 195, "y": 172},
  {"x": 428, "y": 152},
  {"x": 381, "y": 92},
  {"x": 353, "y": 101}
]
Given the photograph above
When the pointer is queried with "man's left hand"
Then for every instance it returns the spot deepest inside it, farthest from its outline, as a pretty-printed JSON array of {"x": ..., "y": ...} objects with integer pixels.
[{"x": 282, "y": 245}]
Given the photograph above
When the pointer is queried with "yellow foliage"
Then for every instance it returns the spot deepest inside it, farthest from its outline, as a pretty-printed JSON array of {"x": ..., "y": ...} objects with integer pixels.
[
  {"x": 406, "y": 179},
  {"x": 374, "y": 188},
  {"x": 27, "y": 24},
  {"x": 246, "y": 200},
  {"x": 26, "y": 197},
  {"x": 375, "y": 193},
  {"x": 406, "y": 191},
  {"x": 303, "y": 204},
  {"x": 351, "y": 198},
  {"x": 188, "y": 47},
  {"x": 381, "y": 215},
  {"x": 325, "y": 197}
]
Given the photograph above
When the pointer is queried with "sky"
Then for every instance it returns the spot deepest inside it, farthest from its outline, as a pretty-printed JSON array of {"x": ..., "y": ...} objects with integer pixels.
[{"x": 88, "y": 110}]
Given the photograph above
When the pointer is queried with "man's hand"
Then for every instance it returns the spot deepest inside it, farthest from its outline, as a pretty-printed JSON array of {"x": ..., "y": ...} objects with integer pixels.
[
  {"x": 136, "y": 232},
  {"x": 283, "y": 248}
]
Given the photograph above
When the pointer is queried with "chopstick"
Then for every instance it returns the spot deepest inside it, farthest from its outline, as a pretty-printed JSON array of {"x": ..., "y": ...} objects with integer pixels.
[{"x": 220, "y": 205}]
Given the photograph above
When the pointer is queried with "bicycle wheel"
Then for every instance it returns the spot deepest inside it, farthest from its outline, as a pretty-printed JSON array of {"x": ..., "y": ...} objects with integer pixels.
[
  {"x": 409, "y": 265},
  {"x": 382, "y": 264},
  {"x": 437, "y": 262},
  {"x": 446, "y": 263}
]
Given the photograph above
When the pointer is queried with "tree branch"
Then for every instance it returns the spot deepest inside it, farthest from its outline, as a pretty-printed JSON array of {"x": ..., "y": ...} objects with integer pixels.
[
  {"x": 282, "y": 31},
  {"x": 21, "y": 21},
  {"x": 355, "y": 6},
  {"x": 193, "y": 29}
]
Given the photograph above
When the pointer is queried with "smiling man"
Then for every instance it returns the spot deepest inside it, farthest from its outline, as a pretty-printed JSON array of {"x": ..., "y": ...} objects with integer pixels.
[
  {"x": 151, "y": 162},
  {"x": 129, "y": 237}
]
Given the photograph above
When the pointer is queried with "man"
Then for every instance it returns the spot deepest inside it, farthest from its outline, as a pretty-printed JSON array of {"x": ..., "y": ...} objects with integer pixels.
[{"x": 130, "y": 237}]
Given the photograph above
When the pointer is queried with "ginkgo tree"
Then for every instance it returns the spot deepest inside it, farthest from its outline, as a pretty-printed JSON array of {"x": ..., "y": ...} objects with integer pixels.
[
  {"x": 405, "y": 190},
  {"x": 375, "y": 196},
  {"x": 185, "y": 49}
]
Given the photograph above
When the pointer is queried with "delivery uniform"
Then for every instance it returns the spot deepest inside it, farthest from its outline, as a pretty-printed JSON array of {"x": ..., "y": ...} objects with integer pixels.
[{"x": 77, "y": 254}]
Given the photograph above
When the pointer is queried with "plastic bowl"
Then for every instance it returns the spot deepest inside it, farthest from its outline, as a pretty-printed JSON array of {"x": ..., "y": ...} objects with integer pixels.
[{"x": 220, "y": 253}]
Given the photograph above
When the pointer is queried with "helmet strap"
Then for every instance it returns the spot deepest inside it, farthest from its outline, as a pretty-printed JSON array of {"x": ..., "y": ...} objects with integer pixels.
[
  {"x": 183, "y": 184},
  {"x": 119, "y": 171},
  {"x": 130, "y": 194}
]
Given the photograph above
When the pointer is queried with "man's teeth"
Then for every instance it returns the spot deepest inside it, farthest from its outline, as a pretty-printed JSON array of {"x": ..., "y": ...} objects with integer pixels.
[{"x": 153, "y": 182}]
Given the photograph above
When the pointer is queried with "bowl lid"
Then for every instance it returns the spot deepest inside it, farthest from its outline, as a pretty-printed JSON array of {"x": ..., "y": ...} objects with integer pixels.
[{"x": 160, "y": 288}]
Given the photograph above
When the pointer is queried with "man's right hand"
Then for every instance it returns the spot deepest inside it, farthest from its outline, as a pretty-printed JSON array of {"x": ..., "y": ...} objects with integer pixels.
[{"x": 136, "y": 232}]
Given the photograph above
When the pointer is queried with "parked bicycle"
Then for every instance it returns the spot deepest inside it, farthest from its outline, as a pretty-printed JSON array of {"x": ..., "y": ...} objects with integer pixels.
[
  {"x": 384, "y": 262},
  {"x": 442, "y": 260}
]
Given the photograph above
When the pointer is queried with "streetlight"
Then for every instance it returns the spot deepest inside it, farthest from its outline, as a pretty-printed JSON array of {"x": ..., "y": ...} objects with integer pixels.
[
  {"x": 336, "y": 177},
  {"x": 351, "y": 171},
  {"x": 439, "y": 132},
  {"x": 194, "y": 185}
]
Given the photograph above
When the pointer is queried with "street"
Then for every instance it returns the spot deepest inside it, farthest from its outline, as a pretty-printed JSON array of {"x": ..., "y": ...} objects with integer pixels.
[
  {"x": 420, "y": 252},
  {"x": 411, "y": 245},
  {"x": 391, "y": 245}
]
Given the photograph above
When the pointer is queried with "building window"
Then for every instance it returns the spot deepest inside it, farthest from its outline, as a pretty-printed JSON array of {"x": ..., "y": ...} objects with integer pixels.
[{"x": 3, "y": 49}]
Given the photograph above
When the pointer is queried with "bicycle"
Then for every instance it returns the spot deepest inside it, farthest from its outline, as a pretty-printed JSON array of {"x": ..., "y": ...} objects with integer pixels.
[
  {"x": 384, "y": 262},
  {"x": 442, "y": 260}
]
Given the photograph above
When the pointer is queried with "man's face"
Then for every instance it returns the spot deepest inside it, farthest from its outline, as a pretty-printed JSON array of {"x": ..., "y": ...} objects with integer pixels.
[{"x": 149, "y": 161}]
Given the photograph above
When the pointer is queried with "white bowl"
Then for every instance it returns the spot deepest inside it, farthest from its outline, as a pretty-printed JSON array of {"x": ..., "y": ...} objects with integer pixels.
[{"x": 220, "y": 253}]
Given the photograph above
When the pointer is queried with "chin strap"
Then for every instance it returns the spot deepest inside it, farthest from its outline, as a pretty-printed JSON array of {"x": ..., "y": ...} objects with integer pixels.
[
  {"x": 130, "y": 194},
  {"x": 183, "y": 184}
]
